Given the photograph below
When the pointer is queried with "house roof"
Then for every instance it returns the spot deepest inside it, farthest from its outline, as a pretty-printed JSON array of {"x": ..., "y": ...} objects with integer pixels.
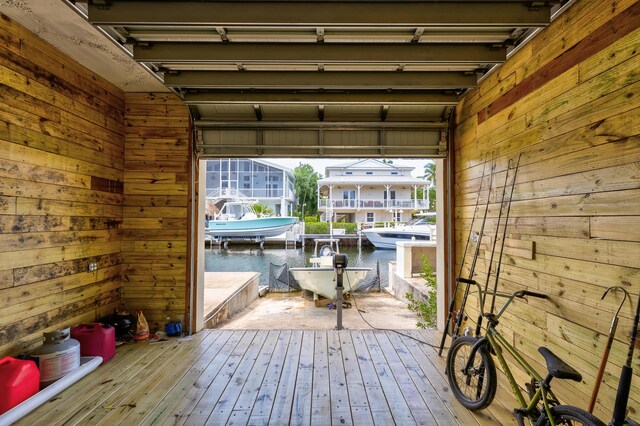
[
  {"x": 272, "y": 164},
  {"x": 368, "y": 163},
  {"x": 371, "y": 180}
]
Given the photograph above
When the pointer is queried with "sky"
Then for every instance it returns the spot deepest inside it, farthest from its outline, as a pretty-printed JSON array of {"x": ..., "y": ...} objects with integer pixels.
[{"x": 319, "y": 164}]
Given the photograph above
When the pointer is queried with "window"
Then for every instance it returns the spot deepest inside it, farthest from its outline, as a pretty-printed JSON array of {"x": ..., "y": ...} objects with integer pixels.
[
  {"x": 349, "y": 195},
  {"x": 348, "y": 173},
  {"x": 369, "y": 173},
  {"x": 394, "y": 173},
  {"x": 397, "y": 216},
  {"x": 371, "y": 217}
]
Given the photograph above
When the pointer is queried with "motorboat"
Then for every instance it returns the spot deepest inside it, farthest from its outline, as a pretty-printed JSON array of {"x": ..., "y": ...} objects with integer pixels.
[
  {"x": 239, "y": 220},
  {"x": 321, "y": 278},
  {"x": 418, "y": 229}
]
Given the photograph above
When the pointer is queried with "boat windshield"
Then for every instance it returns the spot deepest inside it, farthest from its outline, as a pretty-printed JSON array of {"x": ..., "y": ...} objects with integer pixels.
[
  {"x": 418, "y": 221},
  {"x": 236, "y": 210}
]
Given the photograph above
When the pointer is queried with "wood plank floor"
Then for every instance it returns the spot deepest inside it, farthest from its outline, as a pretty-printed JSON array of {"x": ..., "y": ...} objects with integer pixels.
[{"x": 240, "y": 377}]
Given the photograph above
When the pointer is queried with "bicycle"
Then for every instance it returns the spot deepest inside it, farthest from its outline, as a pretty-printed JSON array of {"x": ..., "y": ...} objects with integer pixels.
[{"x": 471, "y": 372}]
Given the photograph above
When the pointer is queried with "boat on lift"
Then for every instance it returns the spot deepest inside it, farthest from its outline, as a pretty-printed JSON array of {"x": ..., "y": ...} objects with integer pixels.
[
  {"x": 238, "y": 220},
  {"x": 321, "y": 278},
  {"x": 418, "y": 229}
]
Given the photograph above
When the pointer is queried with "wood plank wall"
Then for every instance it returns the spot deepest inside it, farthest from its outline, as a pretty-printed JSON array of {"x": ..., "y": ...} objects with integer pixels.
[
  {"x": 61, "y": 174},
  {"x": 156, "y": 206},
  {"x": 569, "y": 102}
]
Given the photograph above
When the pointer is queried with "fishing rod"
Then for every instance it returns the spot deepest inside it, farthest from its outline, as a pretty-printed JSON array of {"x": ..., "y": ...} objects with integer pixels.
[
  {"x": 493, "y": 248},
  {"x": 607, "y": 349},
  {"x": 504, "y": 234},
  {"x": 624, "y": 385},
  {"x": 470, "y": 280},
  {"x": 452, "y": 302}
]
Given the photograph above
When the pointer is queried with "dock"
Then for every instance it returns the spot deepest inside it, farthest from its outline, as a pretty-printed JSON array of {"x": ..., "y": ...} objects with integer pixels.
[{"x": 226, "y": 293}]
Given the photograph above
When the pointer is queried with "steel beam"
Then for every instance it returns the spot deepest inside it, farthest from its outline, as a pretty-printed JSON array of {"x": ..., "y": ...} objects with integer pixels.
[
  {"x": 321, "y": 98},
  {"x": 320, "y": 13},
  {"x": 333, "y": 125},
  {"x": 459, "y": 53},
  {"x": 328, "y": 80}
]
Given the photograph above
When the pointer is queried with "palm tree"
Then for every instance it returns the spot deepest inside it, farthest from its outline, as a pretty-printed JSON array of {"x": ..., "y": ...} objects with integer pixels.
[
  {"x": 430, "y": 172},
  {"x": 261, "y": 210}
]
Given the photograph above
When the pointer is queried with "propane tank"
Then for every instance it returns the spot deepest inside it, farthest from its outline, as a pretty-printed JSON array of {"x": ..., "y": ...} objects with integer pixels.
[{"x": 58, "y": 356}]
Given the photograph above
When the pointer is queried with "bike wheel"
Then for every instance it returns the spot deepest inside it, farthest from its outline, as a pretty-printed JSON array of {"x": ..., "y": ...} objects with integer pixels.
[
  {"x": 476, "y": 389},
  {"x": 568, "y": 415}
]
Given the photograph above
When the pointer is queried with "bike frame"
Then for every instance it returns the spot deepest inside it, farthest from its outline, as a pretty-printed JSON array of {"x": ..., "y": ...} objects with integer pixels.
[{"x": 497, "y": 342}]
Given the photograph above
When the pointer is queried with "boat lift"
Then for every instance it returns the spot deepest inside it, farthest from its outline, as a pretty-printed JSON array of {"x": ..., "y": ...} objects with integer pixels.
[{"x": 224, "y": 241}]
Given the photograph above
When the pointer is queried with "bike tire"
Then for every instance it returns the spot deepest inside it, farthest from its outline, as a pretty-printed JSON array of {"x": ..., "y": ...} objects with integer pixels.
[
  {"x": 568, "y": 415},
  {"x": 481, "y": 390}
]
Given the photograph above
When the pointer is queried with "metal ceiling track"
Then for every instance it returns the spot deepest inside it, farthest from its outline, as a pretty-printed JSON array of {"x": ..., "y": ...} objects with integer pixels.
[
  {"x": 322, "y": 13},
  {"x": 333, "y": 125},
  {"x": 202, "y": 53},
  {"x": 320, "y": 98},
  {"x": 380, "y": 80}
]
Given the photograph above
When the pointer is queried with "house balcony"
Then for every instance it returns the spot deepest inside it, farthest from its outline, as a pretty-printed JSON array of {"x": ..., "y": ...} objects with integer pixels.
[
  {"x": 218, "y": 193},
  {"x": 369, "y": 204}
]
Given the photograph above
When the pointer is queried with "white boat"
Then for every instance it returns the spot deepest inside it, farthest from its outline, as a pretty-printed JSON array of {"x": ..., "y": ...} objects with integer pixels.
[
  {"x": 418, "y": 229},
  {"x": 321, "y": 277},
  {"x": 238, "y": 220}
]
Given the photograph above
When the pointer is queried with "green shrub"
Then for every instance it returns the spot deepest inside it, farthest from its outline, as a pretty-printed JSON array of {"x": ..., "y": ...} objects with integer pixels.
[
  {"x": 349, "y": 227},
  {"x": 323, "y": 227},
  {"x": 317, "y": 228},
  {"x": 308, "y": 219},
  {"x": 426, "y": 311}
]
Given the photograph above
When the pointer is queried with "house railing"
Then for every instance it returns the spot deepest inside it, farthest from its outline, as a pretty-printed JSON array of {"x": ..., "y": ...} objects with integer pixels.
[
  {"x": 248, "y": 193},
  {"x": 373, "y": 204}
]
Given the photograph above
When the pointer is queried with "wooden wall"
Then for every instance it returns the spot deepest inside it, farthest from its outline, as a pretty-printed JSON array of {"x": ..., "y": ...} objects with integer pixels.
[
  {"x": 156, "y": 206},
  {"x": 61, "y": 173},
  {"x": 569, "y": 102}
]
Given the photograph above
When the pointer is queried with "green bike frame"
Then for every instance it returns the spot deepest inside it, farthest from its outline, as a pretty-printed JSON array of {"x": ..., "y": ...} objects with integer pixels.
[{"x": 497, "y": 342}]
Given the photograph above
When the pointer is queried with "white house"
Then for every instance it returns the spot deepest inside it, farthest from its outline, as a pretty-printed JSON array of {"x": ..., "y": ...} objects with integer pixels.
[
  {"x": 249, "y": 179},
  {"x": 370, "y": 191}
]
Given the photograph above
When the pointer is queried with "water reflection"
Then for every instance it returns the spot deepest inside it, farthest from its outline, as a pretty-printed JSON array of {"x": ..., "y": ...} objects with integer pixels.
[{"x": 252, "y": 259}]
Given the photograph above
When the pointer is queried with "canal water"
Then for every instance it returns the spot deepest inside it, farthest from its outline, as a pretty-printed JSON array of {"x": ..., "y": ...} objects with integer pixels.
[{"x": 252, "y": 259}]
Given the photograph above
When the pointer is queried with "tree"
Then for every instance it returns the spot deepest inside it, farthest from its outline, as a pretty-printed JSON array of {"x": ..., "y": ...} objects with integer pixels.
[
  {"x": 430, "y": 172},
  {"x": 306, "y": 186},
  {"x": 261, "y": 210},
  {"x": 430, "y": 175}
]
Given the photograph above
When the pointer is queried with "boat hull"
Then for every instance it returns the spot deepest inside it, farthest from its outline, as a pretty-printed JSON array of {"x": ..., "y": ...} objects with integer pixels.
[
  {"x": 250, "y": 228},
  {"x": 386, "y": 238},
  {"x": 322, "y": 281}
]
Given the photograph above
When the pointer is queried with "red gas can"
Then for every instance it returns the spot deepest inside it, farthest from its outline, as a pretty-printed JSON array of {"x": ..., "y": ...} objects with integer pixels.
[
  {"x": 96, "y": 340},
  {"x": 19, "y": 380}
]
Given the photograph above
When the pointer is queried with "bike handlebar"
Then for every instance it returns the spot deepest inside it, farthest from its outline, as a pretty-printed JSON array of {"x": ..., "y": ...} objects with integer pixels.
[
  {"x": 509, "y": 296},
  {"x": 524, "y": 293}
]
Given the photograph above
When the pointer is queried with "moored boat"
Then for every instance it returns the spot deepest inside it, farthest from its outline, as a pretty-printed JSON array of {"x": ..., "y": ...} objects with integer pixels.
[
  {"x": 418, "y": 229},
  {"x": 238, "y": 220},
  {"x": 320, "y": 278}
]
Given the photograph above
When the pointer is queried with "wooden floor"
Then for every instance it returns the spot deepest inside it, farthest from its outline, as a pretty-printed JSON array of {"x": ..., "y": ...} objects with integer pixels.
[{"x": 275, "y": 377}]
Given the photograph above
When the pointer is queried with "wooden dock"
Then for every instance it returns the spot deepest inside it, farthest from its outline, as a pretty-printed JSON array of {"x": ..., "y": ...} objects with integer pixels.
[{"x": 274, "y": 377}]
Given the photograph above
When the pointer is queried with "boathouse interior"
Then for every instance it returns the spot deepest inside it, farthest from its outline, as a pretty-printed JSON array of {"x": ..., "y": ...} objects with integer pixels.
[{"x": 107, "y": 107}]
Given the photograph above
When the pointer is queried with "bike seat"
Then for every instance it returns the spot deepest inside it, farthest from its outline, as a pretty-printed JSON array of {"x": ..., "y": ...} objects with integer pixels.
[{"x": 557, "y": 367}]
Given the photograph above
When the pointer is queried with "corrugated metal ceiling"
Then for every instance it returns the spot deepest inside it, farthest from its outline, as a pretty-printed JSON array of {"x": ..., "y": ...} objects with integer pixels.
[{"x": 263, "y": 66}]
